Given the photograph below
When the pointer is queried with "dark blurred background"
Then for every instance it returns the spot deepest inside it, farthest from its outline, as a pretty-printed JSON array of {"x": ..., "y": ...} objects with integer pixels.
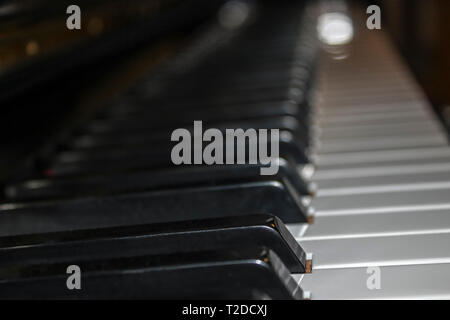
[
  {"x": 45, "y": 69},
  {"x": 421, "y": 30}
]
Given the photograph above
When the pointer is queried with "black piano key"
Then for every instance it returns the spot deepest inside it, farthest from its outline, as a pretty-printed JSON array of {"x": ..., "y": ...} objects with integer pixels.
[
  {"x": 154, "y": 140},
  {"x": 153, "y": 160},
  {"x": 110, "y": 130},
  {"x": 178, "y": 204},
  {"x": 245, "y": 273},
  {"x": 115, "y": 156},
  {"x": 111, "y": 133},
  {"x": 177, "y": 176},
  {"x": 107, "y": 130},
  {"x": 178, "y": 237},
  {"x": 168, "y": 117},
  {"x": 297, "y": 79},
  {"x": 261, "y": 96},
  {"x": 240, "y": 95},
  {"x": 124, "y": 108}
]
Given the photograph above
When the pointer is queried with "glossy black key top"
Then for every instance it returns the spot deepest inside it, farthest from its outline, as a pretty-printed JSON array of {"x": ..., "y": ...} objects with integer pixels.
[
  {"x": 115, "y": 157},
  {"x": 153, "y": 180},
  {"x": 174, "y": 118},
  {"x": 246, "y": 273},
  {"x": 178, "y": 204},
  {"x": 110, "y": 130},
  {"x": 218, "y": 87},
  {"x": 167, "y": 238}
]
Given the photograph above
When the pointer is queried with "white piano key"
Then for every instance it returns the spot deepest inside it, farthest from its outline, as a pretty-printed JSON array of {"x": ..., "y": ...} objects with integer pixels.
[
  {"x": 374, "y": 225},
  {"x": 367, "y": 108},
  {"x": 391, "y": 200},
  {"x": 373, "y": 121},
  {"x": 380, "y": 99},
  {"x": 382, "y": 156},
  {"x": 378, "y": 251},
  {"x": 372, "y": 190},
  {"x": 385, "y": 130},
  {"x": 377, "y": 171},
  {"x": 330, "y": 186},
  {"x": 381, "y": 143},
  {"x": 430, "y": 281},
  {"x": 368, "y": 92},
  {"x": 354, "y": 97},
  {"x": 383, "y": 117},
  {"x": 343, "y": 169}
]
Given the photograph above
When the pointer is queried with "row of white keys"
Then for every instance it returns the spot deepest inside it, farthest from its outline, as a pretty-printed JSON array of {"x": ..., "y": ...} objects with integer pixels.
[{"x": 383, "y": 177}]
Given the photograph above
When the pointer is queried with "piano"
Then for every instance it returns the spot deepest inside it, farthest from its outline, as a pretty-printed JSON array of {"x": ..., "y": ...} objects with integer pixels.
[{"x": 357, "y": 208}]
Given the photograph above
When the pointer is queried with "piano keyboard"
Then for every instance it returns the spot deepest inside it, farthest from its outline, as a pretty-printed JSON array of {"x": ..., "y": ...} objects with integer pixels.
[{"x": 109, "y": 200}]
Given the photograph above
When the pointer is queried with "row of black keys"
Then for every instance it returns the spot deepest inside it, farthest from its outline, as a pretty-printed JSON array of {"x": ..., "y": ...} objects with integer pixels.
[{"x": 111, "y": 202}]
